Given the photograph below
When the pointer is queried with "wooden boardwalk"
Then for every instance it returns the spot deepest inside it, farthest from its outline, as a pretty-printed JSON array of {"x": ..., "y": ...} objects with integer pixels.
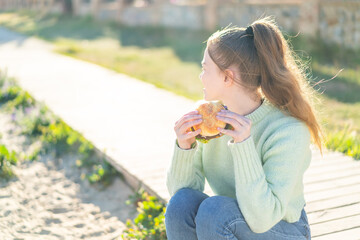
[
  {"x": 332, "y": 193},
  {"x": 332, "y": 184}
]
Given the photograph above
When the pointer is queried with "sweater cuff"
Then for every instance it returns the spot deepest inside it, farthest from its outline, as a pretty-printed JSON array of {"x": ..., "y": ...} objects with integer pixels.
[
  {"x": 181, "y": 166},
  {"x": 247, "y": 164}
]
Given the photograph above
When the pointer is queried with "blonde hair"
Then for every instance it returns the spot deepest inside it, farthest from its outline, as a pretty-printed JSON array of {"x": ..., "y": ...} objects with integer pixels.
[{"x": 267, "y": 65}]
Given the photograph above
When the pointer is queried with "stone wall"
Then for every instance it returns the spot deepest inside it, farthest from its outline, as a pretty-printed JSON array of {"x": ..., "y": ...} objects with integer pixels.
[
  {"x": 336, "y": 21},
  {"x": 291, "y": 15},
  {"x": 339, "y": 22},
  {"x": 165, "y": 14},
  {"x": 194, "y": 16},
  {"x": 42, "y": 5},
  {"x": 286, "y": 15}
]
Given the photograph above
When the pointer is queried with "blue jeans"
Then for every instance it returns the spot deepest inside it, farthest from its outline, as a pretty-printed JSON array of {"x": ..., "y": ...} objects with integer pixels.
[{"x": 191, "y": 214}]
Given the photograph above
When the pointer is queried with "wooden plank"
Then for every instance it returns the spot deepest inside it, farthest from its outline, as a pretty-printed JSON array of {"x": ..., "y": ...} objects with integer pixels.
[
  {"x": 332, "y": 203},
  {"x": 334, "y": 159},
  {"x": 332, "y": 193},
  {"x": 331, "y": 159},
  {"x": 149, "y": 173},
  {"x": 317, "y": 155},
  {"x": 138, "y": 163},
  {"x": 329, "y": 155},
  {"x": 154, "y": 181},
  {"x": 331, "y": 168},
  {"x": 322, "y": 164},
  {"x": 334, "y": 226},
  {"x": 333, "y": 214},
  {"x": 334, "y": 183},
  {"x": 351, "y": 234},
  {"x": 335, "y": 175}
]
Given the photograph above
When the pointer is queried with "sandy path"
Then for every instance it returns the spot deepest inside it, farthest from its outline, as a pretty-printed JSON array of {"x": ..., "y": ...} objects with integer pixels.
[{"x": 48, "y": 199}]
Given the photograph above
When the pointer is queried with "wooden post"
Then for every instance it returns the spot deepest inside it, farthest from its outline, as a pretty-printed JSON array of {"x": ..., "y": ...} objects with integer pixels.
[
  {"x": 42, "y": 6},
  {"x": 68, "y": 7},
  {"x": 49, "y": 5},
  {"x": 309, "y": 17},
  {"x": 77, "y": 6},
  {"x": 120, "y": 7},
  {"x": 95, "y": 8},
  {"x": 211, "y": 16}
]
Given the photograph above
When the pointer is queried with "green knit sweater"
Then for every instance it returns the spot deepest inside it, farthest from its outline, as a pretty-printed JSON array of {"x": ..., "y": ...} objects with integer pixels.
[{"x": 264, "y": 172}]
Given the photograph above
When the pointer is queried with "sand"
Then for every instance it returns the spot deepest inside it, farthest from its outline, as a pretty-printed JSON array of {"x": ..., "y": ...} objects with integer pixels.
[{"x": 48, "y": 200}]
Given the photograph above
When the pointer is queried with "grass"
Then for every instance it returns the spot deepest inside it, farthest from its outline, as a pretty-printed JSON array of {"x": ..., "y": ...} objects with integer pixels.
[
  {"x": 150, "y": 221},
  {"x": 7, "y": 158},
  {"x": 155, "y": 66},
  {"x": 170, "y": 59},
  {"x": 38, "y": 123}
]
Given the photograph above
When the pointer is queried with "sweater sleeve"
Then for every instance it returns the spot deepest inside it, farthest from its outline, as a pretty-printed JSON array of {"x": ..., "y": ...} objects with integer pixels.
[
  {"x": 263, "y": 188},
  {"x": 186, "y": 169}
]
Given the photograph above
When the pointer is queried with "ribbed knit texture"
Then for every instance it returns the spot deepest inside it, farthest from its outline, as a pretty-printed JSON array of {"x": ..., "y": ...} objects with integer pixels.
[{"x": 264, "y": 172}]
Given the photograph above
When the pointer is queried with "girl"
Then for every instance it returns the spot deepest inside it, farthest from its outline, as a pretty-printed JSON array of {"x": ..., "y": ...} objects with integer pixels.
[{"x": 256, "y": 170}]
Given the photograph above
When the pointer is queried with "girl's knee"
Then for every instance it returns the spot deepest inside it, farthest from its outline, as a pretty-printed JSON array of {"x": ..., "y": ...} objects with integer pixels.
[
  {"x": 217, "y": 210},
  {"x": 184, "y": 194},
  {"x": 216, "y": 216},
  {"x": 184, "y": 201},
  {"x": 219, "y": 204}
]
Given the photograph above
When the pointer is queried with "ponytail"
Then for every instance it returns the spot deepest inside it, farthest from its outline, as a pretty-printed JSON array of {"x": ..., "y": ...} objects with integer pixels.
[
  {"x": 266, "y": 64},
  {"x": 282, "y": 81}
]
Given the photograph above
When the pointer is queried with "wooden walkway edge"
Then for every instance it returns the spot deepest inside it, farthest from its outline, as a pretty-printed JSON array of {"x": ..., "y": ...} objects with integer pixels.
[
  {"x": 332, "y": 194},
  {"x": 332, "y": 184}
]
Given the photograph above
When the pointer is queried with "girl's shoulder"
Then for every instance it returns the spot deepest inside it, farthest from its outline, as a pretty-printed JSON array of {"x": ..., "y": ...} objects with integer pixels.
[{"x": 279, "y": 122}]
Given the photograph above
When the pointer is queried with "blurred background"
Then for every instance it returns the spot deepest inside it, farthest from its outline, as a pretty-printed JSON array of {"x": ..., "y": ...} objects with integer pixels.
[{"x": 161, "y": 42}]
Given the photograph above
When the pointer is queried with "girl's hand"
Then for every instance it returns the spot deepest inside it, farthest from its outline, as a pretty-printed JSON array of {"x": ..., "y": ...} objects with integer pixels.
[
  {"x": 241, "y": 125},
  {"x": 182, "y": 128}
]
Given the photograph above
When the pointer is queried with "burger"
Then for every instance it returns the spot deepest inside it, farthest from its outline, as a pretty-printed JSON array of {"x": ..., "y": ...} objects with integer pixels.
[{"x": 209, "y": 125}]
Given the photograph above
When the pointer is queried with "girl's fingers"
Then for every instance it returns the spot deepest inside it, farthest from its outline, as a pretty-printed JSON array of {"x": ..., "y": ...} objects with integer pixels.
[
  {"x": 241, "y": 119},
  {"x": 192, "y": 134},
  {"x": 187, "y": 117},
  {"x": 189, "y": 135},
  {"x": 231, "y": 133},
  {"x": 192, "y": 117},
  {"x": 231, "y": 121},
  {"x": 193, "y": 112},
  {"x": 241, "y": 125},
  {"x": 248, "y": 121},
  {"x": 188, "y": 125}
]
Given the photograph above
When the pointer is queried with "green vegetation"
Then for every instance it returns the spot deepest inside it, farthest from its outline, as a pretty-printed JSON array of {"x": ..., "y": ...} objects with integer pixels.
[
  {"x": 345, "y": 142},
  {"x": 38, "y": 123},
  {"x": 150, "y": 222},
  {"x": 170, "y": 59},
  {"x": 167, "y": 58},
  {"x": 7, "y": 158}
]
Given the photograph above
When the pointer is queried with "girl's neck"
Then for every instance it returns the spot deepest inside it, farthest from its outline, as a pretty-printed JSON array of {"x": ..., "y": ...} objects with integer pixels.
[{"x": 242, "y": 104}]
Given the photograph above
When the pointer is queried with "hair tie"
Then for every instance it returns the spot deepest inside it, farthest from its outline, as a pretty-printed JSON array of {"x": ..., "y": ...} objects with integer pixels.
[{"x": 249, "y": 31}]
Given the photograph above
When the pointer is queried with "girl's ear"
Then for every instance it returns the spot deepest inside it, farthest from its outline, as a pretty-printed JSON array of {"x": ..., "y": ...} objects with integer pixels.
[{"x": 228, "y": 77}]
